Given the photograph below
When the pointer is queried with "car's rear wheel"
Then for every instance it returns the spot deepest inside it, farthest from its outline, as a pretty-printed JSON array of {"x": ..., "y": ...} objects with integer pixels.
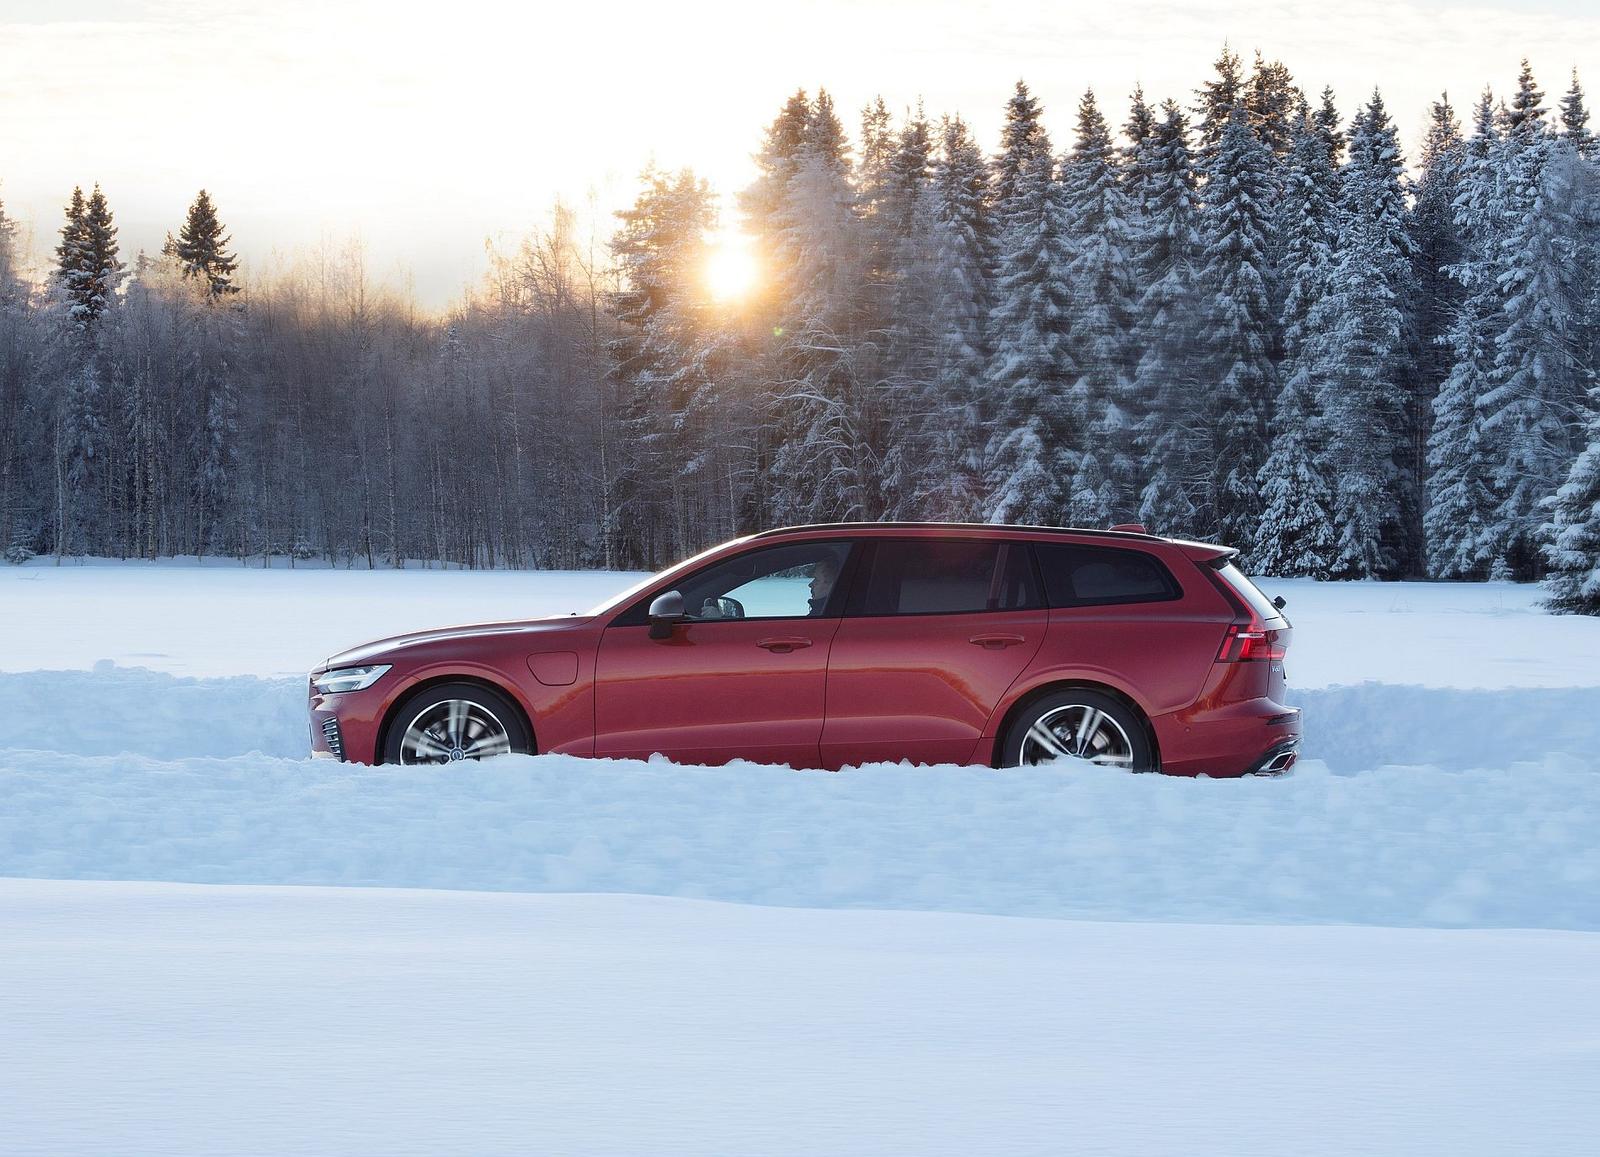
[
  {"x": 1078, "y": 724},
  {"x": 452, "y": 722}
]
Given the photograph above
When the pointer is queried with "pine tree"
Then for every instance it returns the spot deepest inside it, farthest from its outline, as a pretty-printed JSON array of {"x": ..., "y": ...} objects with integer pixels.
[
  {"x": 1024, "y": 148},
  {"x": 1460, "y": 500},
  {"x": 1168, "y": 334},
  {"x": 1373, "y": 199},
  {"x": 1239, "y": 327},
  {"x": 1272, "y": 104},
  {"x": 666, "y": 367},
  {"x": 1575, "y": 121},
  {"x": 72, "y": 259},
  {"x": 1296, "y": 536},
  {"x": 1535, "y": 374},
  {"x": 1326, "y": 118},
  {"x": 1358, "y": 333},
  {"x": 1218, "y": 98},
  {"x": 827, "y": 455},
  {"x": 1032, "y": 454},
  {"x": 963, "y": 254},
  {"x": 1099, "y": 275},
  {"x": 201, "y": 248},
  {"x": 1436, "y": 247},
  {"x": 1571, "y": 537},
  {"x": 94, "y": 289}
]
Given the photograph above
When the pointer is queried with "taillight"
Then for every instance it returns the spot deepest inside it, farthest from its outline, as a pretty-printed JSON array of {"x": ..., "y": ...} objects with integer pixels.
[{"x": 1251, "y": 642}]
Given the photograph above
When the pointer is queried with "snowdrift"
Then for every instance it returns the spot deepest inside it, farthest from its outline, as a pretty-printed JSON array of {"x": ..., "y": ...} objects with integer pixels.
[{"x": 1451, "y": 775}]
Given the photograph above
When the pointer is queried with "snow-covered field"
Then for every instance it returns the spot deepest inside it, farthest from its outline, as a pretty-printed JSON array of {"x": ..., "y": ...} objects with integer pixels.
[{"x": 1395, "y": 950}]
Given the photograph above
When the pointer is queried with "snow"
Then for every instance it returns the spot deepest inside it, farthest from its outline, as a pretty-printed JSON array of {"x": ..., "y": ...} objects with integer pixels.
[
  {"x": 1512, "y": 847},
  {"x": 174, "y": 1020}
]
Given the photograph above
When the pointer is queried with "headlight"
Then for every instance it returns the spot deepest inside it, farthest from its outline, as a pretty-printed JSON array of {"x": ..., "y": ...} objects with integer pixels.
[{"x": 349, "y": 678}]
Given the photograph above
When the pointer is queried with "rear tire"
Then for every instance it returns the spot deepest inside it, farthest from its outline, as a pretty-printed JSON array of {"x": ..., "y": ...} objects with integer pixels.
[
  {"x": 455, "y": 722},
  {"x": 1079, "y": 723}
]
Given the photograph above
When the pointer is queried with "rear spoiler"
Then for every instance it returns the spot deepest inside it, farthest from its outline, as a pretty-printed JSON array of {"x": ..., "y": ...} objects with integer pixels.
[{"x": 1207, "y": 553}]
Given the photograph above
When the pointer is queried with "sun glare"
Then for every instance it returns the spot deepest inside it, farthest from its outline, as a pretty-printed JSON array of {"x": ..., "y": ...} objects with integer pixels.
[{"x": 730, "y": 269}]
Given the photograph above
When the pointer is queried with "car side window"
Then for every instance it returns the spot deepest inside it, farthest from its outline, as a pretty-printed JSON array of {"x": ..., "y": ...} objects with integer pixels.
[
  {"x": 943, "y": 577},
  {"x": 793, "y": 581},
  {"x": 1091, "y": 576}
]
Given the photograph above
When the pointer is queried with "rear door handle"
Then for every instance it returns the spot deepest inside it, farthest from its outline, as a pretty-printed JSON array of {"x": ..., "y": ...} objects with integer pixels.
[
  {"x": 782, "y": 646},
  {"x": 996, "y": 642}
]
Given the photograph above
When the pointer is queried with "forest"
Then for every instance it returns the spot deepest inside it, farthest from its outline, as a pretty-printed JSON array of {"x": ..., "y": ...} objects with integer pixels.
[{"x": 1242, "y": 315}]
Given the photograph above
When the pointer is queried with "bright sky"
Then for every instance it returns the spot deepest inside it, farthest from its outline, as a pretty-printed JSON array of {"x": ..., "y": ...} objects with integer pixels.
[{"x": 427, "y": 128}]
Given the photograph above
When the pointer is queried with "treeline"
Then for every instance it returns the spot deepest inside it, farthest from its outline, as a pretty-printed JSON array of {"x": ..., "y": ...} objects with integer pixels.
[{"x": 1244, "y": 318}]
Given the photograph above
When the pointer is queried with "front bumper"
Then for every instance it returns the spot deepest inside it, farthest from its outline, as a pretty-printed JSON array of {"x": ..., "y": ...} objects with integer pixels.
[{"x": 345, "y": 725}]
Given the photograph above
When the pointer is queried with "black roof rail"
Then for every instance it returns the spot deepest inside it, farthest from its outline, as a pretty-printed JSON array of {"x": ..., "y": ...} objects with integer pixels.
[{"x": 1125, "y": 534}]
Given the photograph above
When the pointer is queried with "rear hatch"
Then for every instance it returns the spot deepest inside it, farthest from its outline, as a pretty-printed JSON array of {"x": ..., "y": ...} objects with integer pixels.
[{"x": 1260, "y": 632}]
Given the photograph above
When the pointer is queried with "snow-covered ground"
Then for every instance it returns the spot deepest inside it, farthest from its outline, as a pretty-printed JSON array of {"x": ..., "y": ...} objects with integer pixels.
[
  {"x": 1178, "y": 970},
  {"x": 175, "y": 1019}
]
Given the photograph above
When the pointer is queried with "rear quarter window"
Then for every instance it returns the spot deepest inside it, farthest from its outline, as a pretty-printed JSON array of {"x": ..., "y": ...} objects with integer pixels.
[{"x": 1097, "y": 576}]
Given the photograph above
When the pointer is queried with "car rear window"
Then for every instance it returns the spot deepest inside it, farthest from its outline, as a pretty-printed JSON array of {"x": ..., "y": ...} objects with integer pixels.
[
  {"x": 1248, "y": 591},
  {"x": 1091, "y": 576},
  {"x": 944, "y": 577}
]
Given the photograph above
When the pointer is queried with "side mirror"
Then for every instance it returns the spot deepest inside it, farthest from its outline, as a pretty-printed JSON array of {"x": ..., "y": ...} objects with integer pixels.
[{"x": 666, "y": 612}]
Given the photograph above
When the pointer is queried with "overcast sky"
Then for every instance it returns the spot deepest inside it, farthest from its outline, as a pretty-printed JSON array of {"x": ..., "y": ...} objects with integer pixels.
[{"x": 428, "y": 128}]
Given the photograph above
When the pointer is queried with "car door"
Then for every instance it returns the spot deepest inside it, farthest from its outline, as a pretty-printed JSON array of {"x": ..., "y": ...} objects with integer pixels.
[
  {"x": 934, "y": 633},
  {"x": 744, "y": 677}
]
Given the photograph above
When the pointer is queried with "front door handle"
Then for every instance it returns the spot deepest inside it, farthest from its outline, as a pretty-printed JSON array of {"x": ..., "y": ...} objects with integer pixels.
[
  {"x": 995, "y": 642},
  {"x": 782, "y": 646}
]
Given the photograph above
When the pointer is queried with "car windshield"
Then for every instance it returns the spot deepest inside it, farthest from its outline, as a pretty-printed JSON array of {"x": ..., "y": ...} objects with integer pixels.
[{"x": 623, "y": 597}]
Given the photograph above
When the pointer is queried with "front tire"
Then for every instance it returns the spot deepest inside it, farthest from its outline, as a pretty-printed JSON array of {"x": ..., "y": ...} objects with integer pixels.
[
  {"x": 1081, "y": 724},
  {"x": 455, "y": 722}
]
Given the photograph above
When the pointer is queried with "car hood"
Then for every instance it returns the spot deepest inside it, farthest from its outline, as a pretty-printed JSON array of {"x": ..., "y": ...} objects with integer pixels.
[{"x": 380, "y": 650}]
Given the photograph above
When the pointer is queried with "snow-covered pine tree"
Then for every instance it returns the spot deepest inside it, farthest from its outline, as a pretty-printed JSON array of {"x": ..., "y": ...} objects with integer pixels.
[
  {"x": 1239, "y": 328},
  {"x": 1460, "y": 498},
  {"x": 1273, "y": 101},
  {"x": 1099, "y": 275},
  {"x": 906, "y": 378},
  {"x": 1571, "y": 537},
  {"x": 1296, "y": 537},
  {"x": 1374, "y": 190},
  {"x": 94, "y": 285},
  {"x": 1167, "y": 334},
  {"x": 666, "y": 368},
  {"x": 1135, "y": 155},
  {"x": 963, "y": 240},
  {"x": 1537, "y": 388},
  {"x": 1024, "y": 148},
  {"x": 1436, "y": 247},
  {"x": 1216, "y": 101},
  {"x": 72, "y": 259},
  {"x": 827, "y": 458},
  {"x": 1326, "y": 117},
  {"x": 1032, "y": 451},
  {"x": 201, "y": 248},
  {"x": 1575, "y": 122}
]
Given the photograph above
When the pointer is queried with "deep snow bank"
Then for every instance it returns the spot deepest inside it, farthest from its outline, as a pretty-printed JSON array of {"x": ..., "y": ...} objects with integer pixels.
[
  {"x": 114, "y": 710},
  {"x": 169, "y": 1020},
  {"x": 1413, "y": 846}
]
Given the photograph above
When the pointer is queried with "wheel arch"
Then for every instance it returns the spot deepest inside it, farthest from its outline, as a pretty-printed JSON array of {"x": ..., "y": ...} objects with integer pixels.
[
  {"x": 509, "y": 694},
  {"x": 1050, "y": 687}
]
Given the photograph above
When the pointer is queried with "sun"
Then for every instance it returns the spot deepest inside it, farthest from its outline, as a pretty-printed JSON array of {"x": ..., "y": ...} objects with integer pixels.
[{"x": 731, "y": 271}]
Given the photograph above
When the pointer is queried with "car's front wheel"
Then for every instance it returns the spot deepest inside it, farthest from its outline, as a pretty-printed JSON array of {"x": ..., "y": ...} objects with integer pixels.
[
  {"x": 1080, "y": 724},
  {"x": 451, "y": 722}
]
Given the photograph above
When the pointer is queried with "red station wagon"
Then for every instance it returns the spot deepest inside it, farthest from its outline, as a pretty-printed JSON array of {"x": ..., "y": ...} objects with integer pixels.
[{"x": 824, "y": 646}]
